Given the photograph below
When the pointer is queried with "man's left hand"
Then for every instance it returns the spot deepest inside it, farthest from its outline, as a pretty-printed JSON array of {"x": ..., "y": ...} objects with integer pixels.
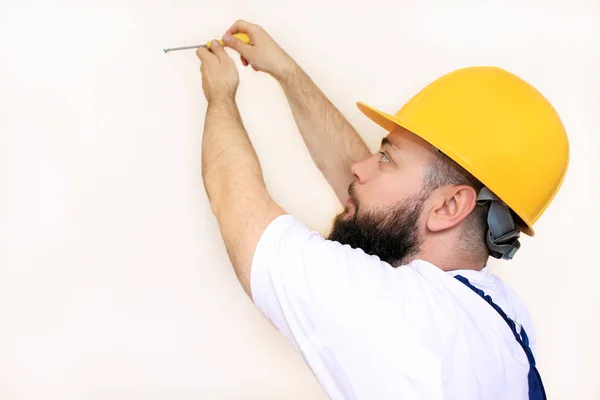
[{"x": 220, "y": 77}]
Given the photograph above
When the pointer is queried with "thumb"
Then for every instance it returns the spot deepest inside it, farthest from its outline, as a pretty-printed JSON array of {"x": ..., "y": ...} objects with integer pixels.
[
  {"x": 244, "y": 49},
  {"x": 218, "y": 50}
]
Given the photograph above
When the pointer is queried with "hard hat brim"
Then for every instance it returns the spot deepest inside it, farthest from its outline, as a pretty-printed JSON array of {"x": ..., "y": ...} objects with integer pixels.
[{"x": 389, "y": 122}]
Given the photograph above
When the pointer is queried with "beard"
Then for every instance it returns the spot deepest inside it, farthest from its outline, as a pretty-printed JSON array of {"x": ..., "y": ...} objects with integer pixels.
[{"x": 391, "y": 233}]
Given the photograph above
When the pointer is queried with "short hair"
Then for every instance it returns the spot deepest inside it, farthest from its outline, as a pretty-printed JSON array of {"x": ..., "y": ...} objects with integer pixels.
[{"x": 444, "y": 171}]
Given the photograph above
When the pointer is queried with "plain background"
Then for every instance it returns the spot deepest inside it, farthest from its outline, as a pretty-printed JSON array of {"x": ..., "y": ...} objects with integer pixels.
[{"x": 114, "y": 281}]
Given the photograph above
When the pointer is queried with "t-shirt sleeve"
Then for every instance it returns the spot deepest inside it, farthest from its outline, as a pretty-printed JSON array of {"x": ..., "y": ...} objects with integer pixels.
[{"x": 298, "y": 275}]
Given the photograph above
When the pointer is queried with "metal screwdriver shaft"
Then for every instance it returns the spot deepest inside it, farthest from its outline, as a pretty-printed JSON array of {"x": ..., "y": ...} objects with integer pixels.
[
  {"x": 184, "y": 48},
  {"x": 242, "y": 36}
]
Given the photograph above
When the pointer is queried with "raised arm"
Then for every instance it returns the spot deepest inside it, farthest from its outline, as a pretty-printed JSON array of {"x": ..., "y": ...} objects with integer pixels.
[
  {"x": 230, "y": 168},
  {"x": 332, "y": 142}
]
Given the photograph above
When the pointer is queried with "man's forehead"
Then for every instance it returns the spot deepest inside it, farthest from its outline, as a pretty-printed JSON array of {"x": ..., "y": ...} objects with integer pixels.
[{"x": 400, "y": 138}]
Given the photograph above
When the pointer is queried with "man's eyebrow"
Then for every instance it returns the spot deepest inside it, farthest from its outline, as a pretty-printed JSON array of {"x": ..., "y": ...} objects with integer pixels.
[{"x": 387, "y": 141}]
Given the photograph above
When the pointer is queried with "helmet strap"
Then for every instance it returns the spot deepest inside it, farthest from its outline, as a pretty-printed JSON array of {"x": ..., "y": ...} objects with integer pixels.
[{"x": 503, "y": 233}]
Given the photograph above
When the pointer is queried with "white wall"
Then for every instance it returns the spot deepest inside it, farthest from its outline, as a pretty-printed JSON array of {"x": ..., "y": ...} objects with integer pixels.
[{"x": 114, "y": 281}]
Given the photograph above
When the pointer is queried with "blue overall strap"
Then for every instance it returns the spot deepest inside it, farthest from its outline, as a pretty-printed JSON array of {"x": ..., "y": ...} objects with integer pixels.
[{"x": 536, "y": 388}]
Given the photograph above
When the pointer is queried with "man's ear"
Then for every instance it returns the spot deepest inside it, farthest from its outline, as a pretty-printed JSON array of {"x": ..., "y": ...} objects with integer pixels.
[{"x": 452, "y": 204}]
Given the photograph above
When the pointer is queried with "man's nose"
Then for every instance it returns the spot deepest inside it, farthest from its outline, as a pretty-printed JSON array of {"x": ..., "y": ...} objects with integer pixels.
[{"x": 363, "y": 169}]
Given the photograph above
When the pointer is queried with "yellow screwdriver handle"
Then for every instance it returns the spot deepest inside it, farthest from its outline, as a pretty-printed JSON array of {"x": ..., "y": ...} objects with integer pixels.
[{"x": 242, "y": 36}]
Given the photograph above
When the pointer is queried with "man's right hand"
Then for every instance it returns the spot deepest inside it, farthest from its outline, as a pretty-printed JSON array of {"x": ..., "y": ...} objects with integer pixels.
[{"x": 263, "y": 53}]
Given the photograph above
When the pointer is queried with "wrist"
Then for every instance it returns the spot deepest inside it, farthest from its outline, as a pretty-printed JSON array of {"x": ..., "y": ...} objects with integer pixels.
[
  {"x": 286, "y": 71},
  {"x": 221, "y": 100}
]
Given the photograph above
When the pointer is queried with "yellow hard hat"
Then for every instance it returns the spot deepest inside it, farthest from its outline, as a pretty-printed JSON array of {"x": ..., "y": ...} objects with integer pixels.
[{"x": 497, "y": 127}]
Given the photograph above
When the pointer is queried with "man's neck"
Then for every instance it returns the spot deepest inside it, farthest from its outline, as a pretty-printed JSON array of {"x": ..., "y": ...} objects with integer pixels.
[{"x": 451, "y": 262}]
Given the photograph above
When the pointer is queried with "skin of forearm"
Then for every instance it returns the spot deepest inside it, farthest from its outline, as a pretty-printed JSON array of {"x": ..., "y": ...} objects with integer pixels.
[
  {"x": 229, "y": 162},
  {"x": 332, "y": 142}
]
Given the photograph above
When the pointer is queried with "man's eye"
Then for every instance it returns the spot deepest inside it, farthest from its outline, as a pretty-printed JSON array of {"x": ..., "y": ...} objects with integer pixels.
[{"x": 384, "y": 158}]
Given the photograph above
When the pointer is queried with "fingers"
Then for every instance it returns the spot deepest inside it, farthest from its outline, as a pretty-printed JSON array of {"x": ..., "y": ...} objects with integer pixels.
[
  {"x": 216, "y": 53},
  {"x": 244, "y": 49},
  {"x": 219, "y": 51},
  {"x": 246, "y": 63},
  {"x": 241, "y": 26},
  {"x": 204, "y": 54}
]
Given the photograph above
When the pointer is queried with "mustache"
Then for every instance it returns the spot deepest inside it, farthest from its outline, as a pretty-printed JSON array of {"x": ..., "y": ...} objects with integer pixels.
[
  {"x": 352, "y": 192},
  {"x": 354, "y": 199}
]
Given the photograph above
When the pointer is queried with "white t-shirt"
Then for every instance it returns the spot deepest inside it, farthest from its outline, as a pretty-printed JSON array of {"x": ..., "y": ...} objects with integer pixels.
[{"x": 370, "y": 331}]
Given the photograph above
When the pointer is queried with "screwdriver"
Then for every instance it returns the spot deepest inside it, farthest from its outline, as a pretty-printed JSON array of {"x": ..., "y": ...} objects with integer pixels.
[{"x": 242, "y": 36}]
